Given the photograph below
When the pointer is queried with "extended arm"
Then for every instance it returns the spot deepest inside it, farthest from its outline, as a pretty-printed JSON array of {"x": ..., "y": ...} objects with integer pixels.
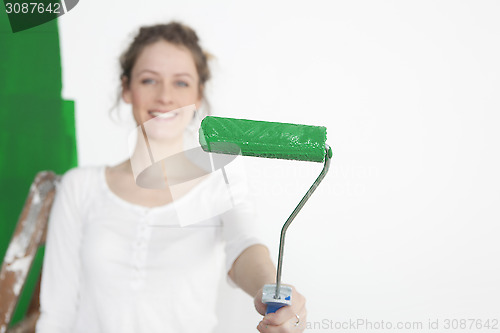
[{"x": 250, "y": 271}]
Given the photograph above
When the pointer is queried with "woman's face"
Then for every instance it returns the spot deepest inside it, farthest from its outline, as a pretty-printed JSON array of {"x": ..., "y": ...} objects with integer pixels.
[{"x": 163, "y": 79}]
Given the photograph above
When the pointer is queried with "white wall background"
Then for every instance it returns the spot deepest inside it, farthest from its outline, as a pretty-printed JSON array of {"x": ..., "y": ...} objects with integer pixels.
[{"x": 406, "y": 224}]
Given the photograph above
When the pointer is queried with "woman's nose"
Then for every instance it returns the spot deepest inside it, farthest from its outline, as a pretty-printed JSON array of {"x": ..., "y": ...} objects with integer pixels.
[{"x": 165, "y": 93}]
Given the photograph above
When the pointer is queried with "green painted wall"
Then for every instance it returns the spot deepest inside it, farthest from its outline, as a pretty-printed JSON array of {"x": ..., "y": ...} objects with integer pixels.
[{"x": 37, "y": 128}]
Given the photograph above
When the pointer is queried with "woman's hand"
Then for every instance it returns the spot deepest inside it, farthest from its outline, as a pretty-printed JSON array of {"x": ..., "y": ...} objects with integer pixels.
[
  {"x": 251, "y": 271},
  {"x": 290, "y": 318}
]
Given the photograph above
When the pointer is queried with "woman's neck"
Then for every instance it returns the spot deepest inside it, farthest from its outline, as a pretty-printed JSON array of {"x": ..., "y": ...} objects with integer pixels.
[{"x": 166, "y": 155}]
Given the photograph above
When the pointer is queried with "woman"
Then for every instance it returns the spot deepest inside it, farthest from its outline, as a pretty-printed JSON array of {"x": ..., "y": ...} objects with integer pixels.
[{"x": 119, "y": 258}]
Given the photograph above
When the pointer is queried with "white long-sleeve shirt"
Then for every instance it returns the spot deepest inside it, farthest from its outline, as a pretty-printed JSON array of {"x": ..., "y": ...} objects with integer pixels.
[{"x": 111, "y": 266}]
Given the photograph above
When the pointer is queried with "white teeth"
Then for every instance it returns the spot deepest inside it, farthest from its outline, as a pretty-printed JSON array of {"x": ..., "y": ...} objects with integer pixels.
[{"x": 164, "y": 115}]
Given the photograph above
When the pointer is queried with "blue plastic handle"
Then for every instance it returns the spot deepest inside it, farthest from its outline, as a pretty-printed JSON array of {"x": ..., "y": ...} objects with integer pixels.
[
  {"x": 273, "y": 307},
  {"x": 273, "y": 303}
]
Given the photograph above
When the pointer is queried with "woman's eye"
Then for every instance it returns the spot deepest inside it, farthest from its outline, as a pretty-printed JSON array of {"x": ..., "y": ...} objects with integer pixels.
[
  {"x": 148, "y": 81},
  {"x": 181, "y": 84}
]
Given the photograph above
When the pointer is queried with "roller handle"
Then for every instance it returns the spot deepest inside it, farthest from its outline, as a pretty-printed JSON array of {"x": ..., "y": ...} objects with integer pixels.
[
  {"x": 275, "y": 303},
  {"x": 273, "y": 307}
]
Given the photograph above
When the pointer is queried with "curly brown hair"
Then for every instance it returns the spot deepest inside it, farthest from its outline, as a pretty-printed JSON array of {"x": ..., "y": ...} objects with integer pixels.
[{"x": 177, "y": 34}]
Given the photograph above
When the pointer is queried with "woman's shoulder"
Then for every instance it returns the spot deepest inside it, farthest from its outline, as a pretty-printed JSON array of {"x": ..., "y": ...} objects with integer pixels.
[
  {"x": 83, "y": 171},
  {"x": 82, "y": 176},
  {"x": 78, "y": 186}
]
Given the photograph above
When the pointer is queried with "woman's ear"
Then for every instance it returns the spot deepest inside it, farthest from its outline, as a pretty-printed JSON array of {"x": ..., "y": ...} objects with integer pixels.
[{"x": 126, "y": 95}]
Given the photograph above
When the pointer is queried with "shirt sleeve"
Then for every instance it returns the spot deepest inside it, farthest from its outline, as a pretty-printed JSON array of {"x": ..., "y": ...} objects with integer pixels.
[
  {"x": 241, "y": 227},
  {"x": 61, "y": 266}
]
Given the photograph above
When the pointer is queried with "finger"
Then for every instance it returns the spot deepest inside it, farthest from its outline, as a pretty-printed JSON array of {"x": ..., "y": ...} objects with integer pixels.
[
  {"x": 266, "y": 328},
  {"x": 300, "y": 322},
  {"x": 297, "y": 324},
  {"x": 285, "y": 313},
  {"x": 262, "y": 327},
  {"x": 259, "y": 306}
]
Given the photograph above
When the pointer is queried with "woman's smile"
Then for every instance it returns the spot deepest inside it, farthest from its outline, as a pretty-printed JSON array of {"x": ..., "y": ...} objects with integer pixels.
[
  {"x": 160, "y": 115},
  {"x": 164, "y": 81}
]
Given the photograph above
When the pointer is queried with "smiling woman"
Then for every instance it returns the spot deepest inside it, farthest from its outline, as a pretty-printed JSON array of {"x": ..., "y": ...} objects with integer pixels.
[
  {"x": 124, "y": 258},
  {"x": 163, "y": 79},
  {"x": 175, "y": 34}
]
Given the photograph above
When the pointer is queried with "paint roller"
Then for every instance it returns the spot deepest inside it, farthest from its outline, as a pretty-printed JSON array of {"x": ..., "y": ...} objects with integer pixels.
[{"x": 270, "y": 140}]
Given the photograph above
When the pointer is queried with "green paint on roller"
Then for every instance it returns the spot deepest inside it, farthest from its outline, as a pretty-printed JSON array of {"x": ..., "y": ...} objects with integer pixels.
[
  {"x": 273, "y": 140},
  {"x": 263, "y": 139}
]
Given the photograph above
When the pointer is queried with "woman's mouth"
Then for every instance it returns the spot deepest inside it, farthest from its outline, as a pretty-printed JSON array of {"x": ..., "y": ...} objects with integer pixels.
[{"x": 163, "y": 114}]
